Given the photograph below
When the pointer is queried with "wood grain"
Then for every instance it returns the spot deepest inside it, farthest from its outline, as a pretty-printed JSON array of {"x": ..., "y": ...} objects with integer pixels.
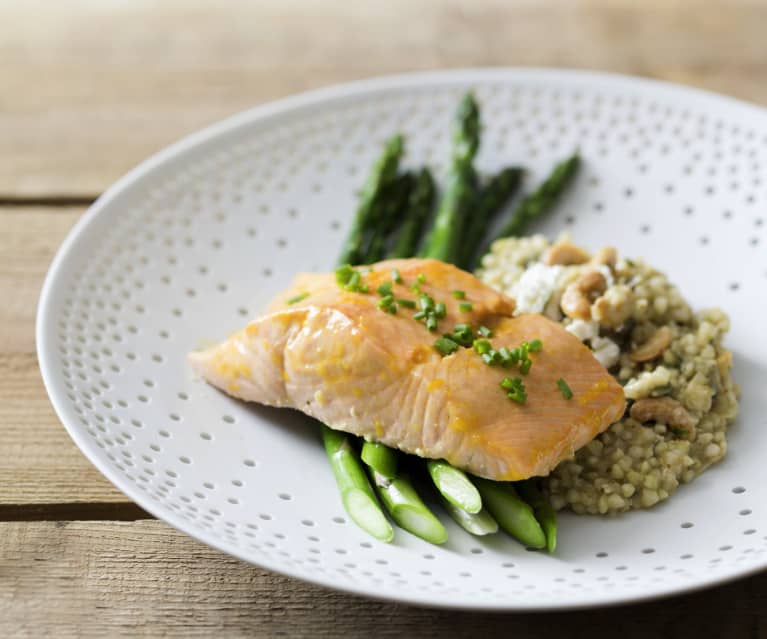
[
  {"x": 145, "y": 579},
  {"x": 29, "y": 239},
  {"x": 39, "y": 463},
  {"x": 90, "y": 89}
]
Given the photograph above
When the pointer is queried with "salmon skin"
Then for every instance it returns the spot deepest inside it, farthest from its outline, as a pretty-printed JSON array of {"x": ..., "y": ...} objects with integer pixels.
[{"x": 335, "y": 355}]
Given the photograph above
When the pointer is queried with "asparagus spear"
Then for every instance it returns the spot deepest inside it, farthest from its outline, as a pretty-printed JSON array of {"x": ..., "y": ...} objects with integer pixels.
[
  {"x": 407, "y": 509},
  {"x": 443, "y": 240},
  {"x": 493, "y": 197},
  {"x": 543, "y": 198},
  {"x": 481, "y": 523},
  {"x": 455, "y": 486},
  {"x": 513, "y": 515},
  {"x": 380, "y": 458},
  {"x": 544, "y": 512},
  {"x": 383, "y": 173},
  {"x": 418, "y": 209},
  {"x": 356, "y": 493},
  {"x": 392, "y": 207}
]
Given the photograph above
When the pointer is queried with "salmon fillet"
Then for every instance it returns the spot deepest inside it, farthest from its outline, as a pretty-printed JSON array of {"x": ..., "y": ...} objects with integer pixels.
[{"x": 336, "y": 356}]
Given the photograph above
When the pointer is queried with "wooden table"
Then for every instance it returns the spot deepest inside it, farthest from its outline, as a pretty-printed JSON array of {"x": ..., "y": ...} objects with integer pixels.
[{"x": 87, "y": 90}]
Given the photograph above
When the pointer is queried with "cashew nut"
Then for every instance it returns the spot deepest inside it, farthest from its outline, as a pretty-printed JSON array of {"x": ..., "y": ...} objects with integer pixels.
[
  {"x": 653, "y": 347},
  {"x": 665, "y": 410},
  {"x": 606, "y": 256},
  {"x": 578, "y": 296},
  {"x": 613, "y": 308},
  {"x": 565, "y": 253}
]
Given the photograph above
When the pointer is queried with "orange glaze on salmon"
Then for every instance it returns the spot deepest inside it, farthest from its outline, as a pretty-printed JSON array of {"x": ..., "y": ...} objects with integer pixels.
[{"x": 336, "y": 356}]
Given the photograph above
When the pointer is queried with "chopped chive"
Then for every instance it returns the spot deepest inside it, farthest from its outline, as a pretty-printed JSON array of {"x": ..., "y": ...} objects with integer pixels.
[
  {"x": 395, "y": 275},
  {"x": 524, "y": 366},
  {"x": 507, "y": 357},
  {"x": 419, "y": 315},
  {"x": 384, "y": 289},
  {"x": 343, "y": 273},
  {"x": 482, "y": 346},
  {"x": 490, "y": 358},
  {"x": 406, "y": 303},
  {"x": 463, "y": 334},
  {"x": 425, "y": 302},
  {"x": 391, "y": 309},
  {"x": 465, "y": 307},
  {"x": 515, "y": 355},
  {"x": 415, "y": 288},
  {"x": 459, "y": 295},
  {"x": 350, "y": 279},
  {"x": 440, "y": 310},
  {"x": 524, "y": 347},
  {"x": 431, "y": 323},
  {"x": 386, "y": 300},
  {"x": 298, "y": 298},
  {"x": 564, "y": 388},
  {"x": 484, "y": 331},
  {"x": 517, "y": 395},
  {"x": 535, "y": 345},
  {"x": 420, "y": 278},
  {"x": 509, "y": 383},
  {"x": 445, "y": 346}
]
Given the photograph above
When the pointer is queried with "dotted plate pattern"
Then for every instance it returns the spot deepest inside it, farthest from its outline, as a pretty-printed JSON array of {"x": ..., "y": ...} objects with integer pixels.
[{"x": 192, "y": 243}]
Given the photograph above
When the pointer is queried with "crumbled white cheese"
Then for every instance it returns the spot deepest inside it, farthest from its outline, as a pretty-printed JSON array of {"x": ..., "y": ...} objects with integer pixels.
[
  {"x": 606, "y": 351},
  {"x": 583, "y": 330},
  {"x": 535, "y": 287},
  {"x": 647, "y": 382}
]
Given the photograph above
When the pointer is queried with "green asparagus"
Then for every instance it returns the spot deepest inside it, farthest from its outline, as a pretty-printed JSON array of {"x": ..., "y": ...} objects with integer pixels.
[
  {"x": 380, "y": 458},
  {"x": 544, "y": 512},
  {"x": 491, "y": 199},
  {"x": 356, "y": 493},
  {"x": 543, "y": 198},
  {"x": 418, "y": 209},
  {"x": 455, "y": 486},
  {"x": 443, "y": 240},
  {"x": 513, "y": 515},
  {"x": 407, "y": 509},
  {"x": 481, "y": 523},
  {"x": 391, "y": 209},
  {"x": 383, "y": 173}
]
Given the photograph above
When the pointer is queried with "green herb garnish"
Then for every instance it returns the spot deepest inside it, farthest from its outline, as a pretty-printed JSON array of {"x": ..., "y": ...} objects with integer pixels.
[
  {"x": 515, "y": 389},
  {"x": 384, "y": 289},
  {"x": 465, "y": 307},
  {"x": 350, "y": 279},
  {"x": 564, "y": 388},
  {"x": 445, "y": 346},
  {"x": 395, "y": 275},
  {"x": 459, "y": 295},
  {"x": 297, "y": 298}
]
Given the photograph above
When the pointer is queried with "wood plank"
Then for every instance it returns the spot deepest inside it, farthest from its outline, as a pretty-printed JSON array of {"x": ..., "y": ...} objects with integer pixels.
[
  {"x": 28, "y": 242},
  {"x": 39, "y": 463},
  {"x": 145, "y": 579},
  {"x": 91, "y": 89}
]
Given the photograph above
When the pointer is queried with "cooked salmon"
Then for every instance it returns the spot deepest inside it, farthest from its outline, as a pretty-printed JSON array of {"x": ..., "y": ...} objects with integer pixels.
[{"x": 336, "y": 355}]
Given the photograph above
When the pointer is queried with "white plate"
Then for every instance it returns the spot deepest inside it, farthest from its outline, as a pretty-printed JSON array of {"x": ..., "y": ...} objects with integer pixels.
[{"x": 194, "y": 241}]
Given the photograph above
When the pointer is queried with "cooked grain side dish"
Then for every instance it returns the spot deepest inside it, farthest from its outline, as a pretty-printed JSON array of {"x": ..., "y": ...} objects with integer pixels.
[{"x": 672, "y": 365}]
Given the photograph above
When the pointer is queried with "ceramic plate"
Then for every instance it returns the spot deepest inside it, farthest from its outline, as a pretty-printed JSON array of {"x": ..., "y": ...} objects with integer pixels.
[{"x": 192, "y": 243}]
